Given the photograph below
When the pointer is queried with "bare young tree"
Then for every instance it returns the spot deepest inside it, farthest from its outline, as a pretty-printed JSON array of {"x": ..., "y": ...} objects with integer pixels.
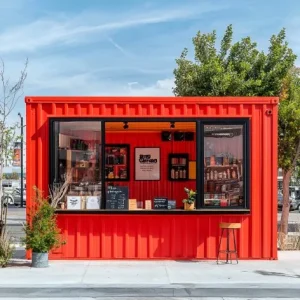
[
  {"x": 58, "y": 191},
  {"x": 10, "y": 93}
]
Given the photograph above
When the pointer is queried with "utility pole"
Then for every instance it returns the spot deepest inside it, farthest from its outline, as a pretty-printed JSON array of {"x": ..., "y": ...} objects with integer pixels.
[{"x": 22, "y": 164}]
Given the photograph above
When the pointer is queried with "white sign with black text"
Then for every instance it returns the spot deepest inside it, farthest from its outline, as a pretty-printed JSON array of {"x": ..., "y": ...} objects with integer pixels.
[{"x": 147, "y": 163}]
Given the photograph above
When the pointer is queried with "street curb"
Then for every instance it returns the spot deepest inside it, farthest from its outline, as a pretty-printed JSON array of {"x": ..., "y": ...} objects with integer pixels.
[{"x": 168, "y": 291}]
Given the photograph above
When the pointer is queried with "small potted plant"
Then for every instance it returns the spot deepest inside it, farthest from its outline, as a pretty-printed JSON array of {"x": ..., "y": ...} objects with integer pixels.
[
  {"x": 42, "y": 232},
  {"x": 189, "y": 202}
]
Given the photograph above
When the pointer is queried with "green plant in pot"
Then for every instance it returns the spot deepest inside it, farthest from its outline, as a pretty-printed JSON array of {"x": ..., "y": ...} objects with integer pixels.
[
  {"x": 189, "y": 202},
  {"x": 42, "y": 232}
]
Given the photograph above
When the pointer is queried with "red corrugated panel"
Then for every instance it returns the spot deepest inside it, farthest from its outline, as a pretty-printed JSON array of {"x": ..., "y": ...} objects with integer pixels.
[{"x": 162, "y": 236}]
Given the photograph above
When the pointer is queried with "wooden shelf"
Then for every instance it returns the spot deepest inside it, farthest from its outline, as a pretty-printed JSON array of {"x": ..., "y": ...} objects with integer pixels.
[
  {"x": 222, "y": 166},
  {"x": 224, "y": 180}
]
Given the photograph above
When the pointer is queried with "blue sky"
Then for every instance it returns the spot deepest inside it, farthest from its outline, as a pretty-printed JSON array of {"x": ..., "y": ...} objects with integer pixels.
[{"x": 118, "y": 47}]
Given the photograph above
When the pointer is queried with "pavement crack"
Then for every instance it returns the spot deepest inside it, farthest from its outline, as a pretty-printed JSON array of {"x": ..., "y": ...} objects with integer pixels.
[{"x": 84, "y": 273}]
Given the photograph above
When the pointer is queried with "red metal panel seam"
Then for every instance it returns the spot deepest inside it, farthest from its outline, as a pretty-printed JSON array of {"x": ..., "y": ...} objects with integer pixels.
[
  {"x": 31, "y": 163},
  {"x": 53, "y": 109},
  {"x": 220, "y": 109},
  {"x": 114, "y": 239},
  {"x": 173, "y": 238},
  {"x": 127, "y": 109},
  {"x": 103, "y": 110},
  {"x": 66, "y": 106},
  {"x": 138, "y": 241},
  {"x": 162, "y": 109},
  {"x": 101, "y": 241},
  {"x": 90, "y": 109},
  {"x": 90, "y": 240},
  {"x": 265, "y": 183},
  {"x": 39, "y": 147},
  {"x": 78, "y": 109},
  {"x": 173, "y": 109},
  {"x": 255, "y": 180},
  {"x": 274, "y": 181},
  {"x": 127, "y": 244},
  {"x": 140, "y": 110},
  {"x": 135, "y": 116},
  {"x": 151, "y": 110},
  {"x": 150, "y": 239},
  {"x": 241, "y": 110},
  {"x": 77, "y": 238},
  {"x": 115, "y": 109}
]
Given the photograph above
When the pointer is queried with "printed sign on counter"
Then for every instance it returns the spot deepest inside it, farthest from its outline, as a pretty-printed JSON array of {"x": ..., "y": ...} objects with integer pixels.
[
  {"x": 92, "y": 202},
  {"x": 74, "y": 202},
  {"x": 148, "y": 204},
  {"x": 132, "y": 204}
]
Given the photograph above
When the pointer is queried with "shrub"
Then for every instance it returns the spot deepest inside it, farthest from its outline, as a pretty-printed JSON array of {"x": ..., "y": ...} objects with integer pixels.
[
  {"x": 6, "y": 249},
  {"x": 42, "y": 232}
]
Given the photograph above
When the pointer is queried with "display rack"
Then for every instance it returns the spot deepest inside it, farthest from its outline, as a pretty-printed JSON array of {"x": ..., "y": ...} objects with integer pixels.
[
  {"x": 78, "y": 159},
  {"x": 223, "y": 184},
  {"x": 178, "y": 167},
  {"x": 117, "y": 162}
]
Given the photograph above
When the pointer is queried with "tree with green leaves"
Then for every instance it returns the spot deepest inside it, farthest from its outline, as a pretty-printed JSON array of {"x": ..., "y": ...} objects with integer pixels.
[
  {"x": 237, "y": 69},
  {"x": 240, "y": 69},
  {"x": 289, "y": 137},
  {"x": 9, "y": 95}
]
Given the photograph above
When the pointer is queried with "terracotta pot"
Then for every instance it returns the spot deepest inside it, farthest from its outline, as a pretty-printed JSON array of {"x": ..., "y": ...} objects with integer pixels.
[{"x": 189, "y": 206}]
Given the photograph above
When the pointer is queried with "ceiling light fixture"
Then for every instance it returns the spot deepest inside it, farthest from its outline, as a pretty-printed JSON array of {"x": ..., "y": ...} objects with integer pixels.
[{"x": 125, "y": 126}]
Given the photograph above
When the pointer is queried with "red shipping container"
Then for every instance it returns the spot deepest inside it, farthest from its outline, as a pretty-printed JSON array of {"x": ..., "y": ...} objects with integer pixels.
[{"x": 162, "y": 236}]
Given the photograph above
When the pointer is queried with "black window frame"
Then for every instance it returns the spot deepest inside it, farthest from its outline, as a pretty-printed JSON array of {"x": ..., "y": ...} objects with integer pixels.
[
  {"x": 245, "y": 122},
  {"x": 199, "y": 141}
]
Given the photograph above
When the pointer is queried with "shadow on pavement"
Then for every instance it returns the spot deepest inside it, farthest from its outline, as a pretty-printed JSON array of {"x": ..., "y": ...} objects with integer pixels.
[
  {"x": 19, "y": 253},
  {"x": 267, "y": 273}
]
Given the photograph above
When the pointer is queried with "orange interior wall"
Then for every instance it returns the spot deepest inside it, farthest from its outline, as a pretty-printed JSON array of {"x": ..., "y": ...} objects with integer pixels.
[{"x": 147, "y": 190}]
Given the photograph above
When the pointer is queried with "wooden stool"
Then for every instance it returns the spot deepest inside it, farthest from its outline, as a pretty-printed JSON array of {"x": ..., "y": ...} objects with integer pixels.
[{"x": 228, "y": 227}]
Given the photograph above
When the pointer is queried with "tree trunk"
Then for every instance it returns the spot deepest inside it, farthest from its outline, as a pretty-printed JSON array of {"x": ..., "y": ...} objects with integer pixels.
[{"x": 284, "y": 223}]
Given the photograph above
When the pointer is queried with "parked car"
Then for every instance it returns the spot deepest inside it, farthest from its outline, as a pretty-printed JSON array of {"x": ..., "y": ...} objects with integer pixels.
[
  {"x": 14, "y": 197},
  {"x": 295, "y": 194},
  {"x": 293, "y": 202}
]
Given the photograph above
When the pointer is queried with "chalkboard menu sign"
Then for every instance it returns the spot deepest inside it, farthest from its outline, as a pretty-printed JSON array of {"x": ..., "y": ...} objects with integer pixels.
[
  {"x": 117, "y": 197},
  {"x": 160, "y": 203}
]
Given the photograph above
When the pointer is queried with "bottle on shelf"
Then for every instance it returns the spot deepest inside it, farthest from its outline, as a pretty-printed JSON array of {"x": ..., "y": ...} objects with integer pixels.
[
  {"x": 172, "y": 173},
  {"x": 180, "y": 173}
]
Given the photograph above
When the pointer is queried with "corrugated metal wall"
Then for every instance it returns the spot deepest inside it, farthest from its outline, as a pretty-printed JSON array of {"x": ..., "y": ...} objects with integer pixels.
[{"x": 162, "y": 236}]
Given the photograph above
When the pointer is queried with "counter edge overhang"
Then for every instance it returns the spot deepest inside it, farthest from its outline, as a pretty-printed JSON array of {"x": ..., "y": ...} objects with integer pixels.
[{"x": 203, "y": 211}]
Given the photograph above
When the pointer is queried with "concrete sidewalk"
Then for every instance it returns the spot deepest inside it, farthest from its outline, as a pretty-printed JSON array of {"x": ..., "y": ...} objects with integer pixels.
[{"x": 164, "y": 278}]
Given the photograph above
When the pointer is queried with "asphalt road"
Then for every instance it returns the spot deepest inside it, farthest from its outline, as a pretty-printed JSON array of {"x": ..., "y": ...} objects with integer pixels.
[
  {"x": 151, "y": 293},
  {"x": 156, "y": 298}
]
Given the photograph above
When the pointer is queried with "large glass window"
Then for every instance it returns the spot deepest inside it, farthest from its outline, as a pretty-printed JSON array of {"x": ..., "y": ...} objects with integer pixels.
[
  {"x": 78, "y": 157},
  {"x": 150, "y": 165},
  {"x": 224, "y": 166}
]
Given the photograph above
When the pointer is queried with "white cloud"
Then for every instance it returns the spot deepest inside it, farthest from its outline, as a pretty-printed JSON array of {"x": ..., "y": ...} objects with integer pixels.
[
  {"x": 88, "y": 26},
  {"x": 87, "y": 84},
  {"x": 160, "y": 88}
]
